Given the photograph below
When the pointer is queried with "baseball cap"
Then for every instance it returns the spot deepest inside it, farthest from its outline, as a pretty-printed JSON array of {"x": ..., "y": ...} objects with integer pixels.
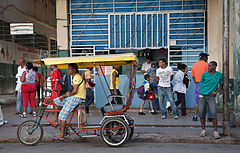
[{"x": 203, "y": 54}]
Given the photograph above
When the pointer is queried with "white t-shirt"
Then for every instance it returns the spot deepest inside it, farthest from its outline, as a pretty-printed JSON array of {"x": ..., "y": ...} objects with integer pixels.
[
  {"x": 164, "y": 76},
  {"x": 18, "y": 76},
  {"x": 146, "y": 86},
  {"x": 146, "y": 66},
  {"x": 178, "y": 80}
]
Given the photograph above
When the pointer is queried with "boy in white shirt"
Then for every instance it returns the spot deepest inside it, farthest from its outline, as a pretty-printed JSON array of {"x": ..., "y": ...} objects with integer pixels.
[
  {"x": 181, "y": 84},
  {"x": 149, "y": 95}
]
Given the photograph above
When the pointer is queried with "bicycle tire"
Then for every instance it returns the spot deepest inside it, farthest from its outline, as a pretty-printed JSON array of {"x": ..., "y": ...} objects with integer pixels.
[
  {"x": 110, "y": 127},
  {"x": 28, "y": 140}
]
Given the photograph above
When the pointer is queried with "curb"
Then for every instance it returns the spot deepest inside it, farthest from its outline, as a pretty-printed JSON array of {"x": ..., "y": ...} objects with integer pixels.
[{"x": 156, "y": 138}]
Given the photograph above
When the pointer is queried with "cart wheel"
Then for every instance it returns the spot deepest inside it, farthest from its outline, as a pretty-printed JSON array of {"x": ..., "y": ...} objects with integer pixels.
[
  {"x": 131, "y": 132},
  {"x": 29, "y": 134},
  {"x": 114, "y": 132}
]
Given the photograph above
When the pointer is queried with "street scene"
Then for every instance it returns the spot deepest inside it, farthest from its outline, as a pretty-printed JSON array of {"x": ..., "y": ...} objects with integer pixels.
[{"x": 117, "y": 75}]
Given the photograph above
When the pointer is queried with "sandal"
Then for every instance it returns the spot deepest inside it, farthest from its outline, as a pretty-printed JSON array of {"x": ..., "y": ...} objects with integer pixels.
[{"x": 57, "y": 138}]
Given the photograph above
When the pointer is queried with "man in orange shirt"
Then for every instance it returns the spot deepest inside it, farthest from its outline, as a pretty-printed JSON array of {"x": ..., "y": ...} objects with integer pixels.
[{"x": 198, "y": 69}]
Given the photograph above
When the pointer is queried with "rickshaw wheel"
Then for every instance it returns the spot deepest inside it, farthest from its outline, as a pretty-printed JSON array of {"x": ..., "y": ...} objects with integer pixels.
[
  {"x": 114, "y": 132},
  {"x": 29, "y": 134}
]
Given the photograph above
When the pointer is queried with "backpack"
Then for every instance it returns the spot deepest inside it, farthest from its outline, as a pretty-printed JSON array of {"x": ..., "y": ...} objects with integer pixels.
[
  {"x": 141, "y": 92},
  {"x": 64, "y": 79}
]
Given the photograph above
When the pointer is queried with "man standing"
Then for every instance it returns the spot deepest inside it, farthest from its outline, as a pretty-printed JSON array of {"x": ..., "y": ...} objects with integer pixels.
[
  {"x": 165, "y": 76},
  {"x": 198, "y": 69},
  {"x": 89, "y": 91},
  {"x": 19, "y": 105},
  {"x": 115, "y": 84},
  {"x": 146, "y": 65},
  {"x": 211, "y": 83}
]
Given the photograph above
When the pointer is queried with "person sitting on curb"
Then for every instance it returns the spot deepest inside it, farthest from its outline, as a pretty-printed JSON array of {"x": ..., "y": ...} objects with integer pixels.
[
  {"x": 211, "y": 83},
  {"x": 149, "y": 96},
  {"x": 70, "y": 100}
]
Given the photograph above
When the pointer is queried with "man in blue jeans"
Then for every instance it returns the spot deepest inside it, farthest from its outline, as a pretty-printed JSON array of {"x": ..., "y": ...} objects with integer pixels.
[
  {"x": 211, "y": 83},
  {"x": 165, "y": 76},
  {"x": 19, "y": 104}
]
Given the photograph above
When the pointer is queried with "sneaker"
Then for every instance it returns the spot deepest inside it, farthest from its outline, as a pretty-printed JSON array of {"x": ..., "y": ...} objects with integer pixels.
[
  {"x": 176, "y": 117},
  {"x": 154, "y": 113},
  {"x": 3, "y": 122},
  {"x": 23, "y": 115},
  {"x": 216, "y": 135},
  {"x": 194, "y": 118},
  {"x": 163, "y": 117},
  {"x": 34, "y": 114},
  {"x": 141, "y": 113},
  {"x": 203, "y": 133}
]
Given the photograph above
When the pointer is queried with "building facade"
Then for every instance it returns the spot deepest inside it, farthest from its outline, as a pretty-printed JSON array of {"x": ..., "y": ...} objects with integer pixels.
[{"x": 185, "y": 27}]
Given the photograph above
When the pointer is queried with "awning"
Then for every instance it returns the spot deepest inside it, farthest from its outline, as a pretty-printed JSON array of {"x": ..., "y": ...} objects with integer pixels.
[{"x": 92, "y": 61}]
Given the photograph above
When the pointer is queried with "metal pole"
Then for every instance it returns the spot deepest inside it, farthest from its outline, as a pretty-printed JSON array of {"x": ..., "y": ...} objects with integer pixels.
[
  {"x": 236, "y": 34},
  {"x": 225, "y": 59}
]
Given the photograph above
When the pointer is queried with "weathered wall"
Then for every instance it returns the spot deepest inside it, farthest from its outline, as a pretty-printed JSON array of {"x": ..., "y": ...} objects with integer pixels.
[
  {"x": 62, "y": 32},
  {"x": 35, "y": 11},
  {"x": 42, "y": 15},
  {"x": 215, "y": 29}
]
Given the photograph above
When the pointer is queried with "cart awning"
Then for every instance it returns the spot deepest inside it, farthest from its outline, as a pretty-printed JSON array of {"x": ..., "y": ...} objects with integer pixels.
[{"x": 92, "y": 61}]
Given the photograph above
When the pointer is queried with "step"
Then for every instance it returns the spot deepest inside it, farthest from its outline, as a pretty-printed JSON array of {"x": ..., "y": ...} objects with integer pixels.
[
  {"x": 91, "y": 127},
  {"x": 88, "y": 136}
]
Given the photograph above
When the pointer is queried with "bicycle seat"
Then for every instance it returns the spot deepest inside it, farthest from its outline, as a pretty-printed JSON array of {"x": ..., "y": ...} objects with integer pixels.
[
  {"x": 113, "y": 108},
  {"x": 117, "y": 104}
]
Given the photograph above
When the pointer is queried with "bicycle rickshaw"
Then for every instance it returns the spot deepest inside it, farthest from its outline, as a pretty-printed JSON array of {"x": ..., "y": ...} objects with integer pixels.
[{"x": 115, "y": 128}]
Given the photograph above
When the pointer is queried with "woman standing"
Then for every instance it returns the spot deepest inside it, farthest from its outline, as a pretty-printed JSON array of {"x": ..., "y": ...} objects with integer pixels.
[{"x": 29, "y": 89}]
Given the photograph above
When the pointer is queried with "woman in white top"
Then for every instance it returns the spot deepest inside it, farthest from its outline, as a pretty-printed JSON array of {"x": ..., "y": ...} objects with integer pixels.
[
  {"x": 181, "y": 83},
  {"x": 29, "y": 89}
]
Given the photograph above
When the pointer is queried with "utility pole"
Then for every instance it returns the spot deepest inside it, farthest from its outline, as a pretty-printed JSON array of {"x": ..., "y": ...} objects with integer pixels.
[
  {"x": 236, "y": 47},
  {"x": 225, "y": 59}
]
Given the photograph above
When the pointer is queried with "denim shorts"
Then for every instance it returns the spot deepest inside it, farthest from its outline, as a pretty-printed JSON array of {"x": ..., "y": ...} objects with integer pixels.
[
  {"x": 68, "y": 104},
  {"x": 203, "y": 102}
]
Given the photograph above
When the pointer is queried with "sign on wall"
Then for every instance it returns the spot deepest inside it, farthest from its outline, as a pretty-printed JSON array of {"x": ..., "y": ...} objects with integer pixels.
[{"x": 21, "y": 28}]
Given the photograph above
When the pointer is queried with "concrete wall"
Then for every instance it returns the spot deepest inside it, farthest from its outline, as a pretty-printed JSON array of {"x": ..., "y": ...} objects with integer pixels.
[
  {"x": 62, "y": 32},
  {"x": 215, "y": 31}
]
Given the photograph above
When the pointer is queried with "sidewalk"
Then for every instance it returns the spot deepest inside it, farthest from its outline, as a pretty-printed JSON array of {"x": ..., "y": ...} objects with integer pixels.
[{"x": 147, "y": 128}]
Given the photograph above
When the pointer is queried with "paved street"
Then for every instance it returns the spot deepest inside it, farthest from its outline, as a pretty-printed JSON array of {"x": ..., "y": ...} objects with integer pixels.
[{"x": 136, "y": 147}]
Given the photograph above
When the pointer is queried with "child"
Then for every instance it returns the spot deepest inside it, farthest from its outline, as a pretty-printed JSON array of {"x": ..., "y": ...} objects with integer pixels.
[
  {"x": 149, "y": 96},
  {"x": 181, "y": 84}
]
